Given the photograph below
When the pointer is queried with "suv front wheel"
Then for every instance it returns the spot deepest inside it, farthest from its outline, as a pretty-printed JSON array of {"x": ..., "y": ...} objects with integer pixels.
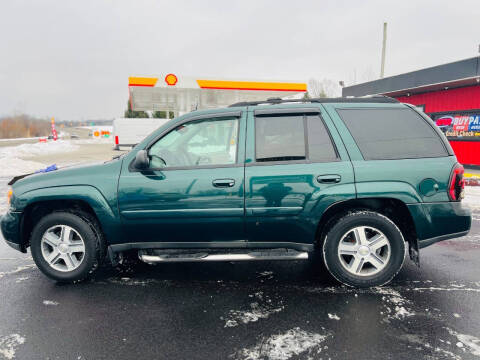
[
  {"x": 364, "y": 249},
  {"x": 67, "y": 247}
]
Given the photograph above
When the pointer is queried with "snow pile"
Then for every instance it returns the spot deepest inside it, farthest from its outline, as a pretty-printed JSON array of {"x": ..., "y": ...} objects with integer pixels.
[
  {"x": 36, "y": 149},
  {"x": 9, "y": 344},
  {"x": 11, "y": 157},
  {"x": 284, "y": 346}
]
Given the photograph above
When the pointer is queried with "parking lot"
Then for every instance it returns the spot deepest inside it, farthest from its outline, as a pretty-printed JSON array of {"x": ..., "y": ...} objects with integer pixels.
[{"x": 259, "y": 310}]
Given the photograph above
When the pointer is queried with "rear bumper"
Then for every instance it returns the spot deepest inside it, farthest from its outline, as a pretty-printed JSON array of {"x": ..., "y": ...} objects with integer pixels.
[
  {"x": 440, "y": 221},
  {"x": 10, "y": 227},
  {"x": 427, "y": 242}
]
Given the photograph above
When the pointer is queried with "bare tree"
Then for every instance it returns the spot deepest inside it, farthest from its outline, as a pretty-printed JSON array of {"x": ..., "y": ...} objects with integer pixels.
[
  {"x": 323, "y": 89},
  {"x": 368, "y": 74},
  {"x": 19, "y": 126}
]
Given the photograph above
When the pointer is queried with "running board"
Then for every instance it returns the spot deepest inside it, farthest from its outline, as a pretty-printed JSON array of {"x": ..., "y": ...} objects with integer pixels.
[{"x": 204, "y": 256}]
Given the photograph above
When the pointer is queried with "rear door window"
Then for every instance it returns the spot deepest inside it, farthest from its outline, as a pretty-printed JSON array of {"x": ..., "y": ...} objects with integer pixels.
[
  {"x": 279, "y": 138},
  {"x": 388, "y": 134},
  {"x": 293, "y": 137}
]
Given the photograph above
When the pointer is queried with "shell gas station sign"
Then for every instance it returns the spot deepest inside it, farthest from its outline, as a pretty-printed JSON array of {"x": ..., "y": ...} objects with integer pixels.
[{"x": 183, "y": 94}]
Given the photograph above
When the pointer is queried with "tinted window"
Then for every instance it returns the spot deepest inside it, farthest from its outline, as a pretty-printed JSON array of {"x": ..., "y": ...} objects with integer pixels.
[
  {"x": 206, "y": 142},
  {"x": 279, "y": 138},
  {"x": 392, "y": 134},
  {"x": 320, "y": 147}
]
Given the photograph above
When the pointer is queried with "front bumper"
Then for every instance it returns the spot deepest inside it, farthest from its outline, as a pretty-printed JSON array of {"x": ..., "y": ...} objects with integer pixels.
[{"x": 10, "y": 227}]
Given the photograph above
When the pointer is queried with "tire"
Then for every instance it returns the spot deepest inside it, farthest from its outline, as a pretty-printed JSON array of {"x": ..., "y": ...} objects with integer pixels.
[
  {"x": 68, "y": 262},
  {"x": 363, "y": 260}
]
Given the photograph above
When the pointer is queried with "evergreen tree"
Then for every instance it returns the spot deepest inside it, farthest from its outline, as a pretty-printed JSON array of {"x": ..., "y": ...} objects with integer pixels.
[
  {"x": 129, "y": 113},
  {"x": 162, "y": 115}
]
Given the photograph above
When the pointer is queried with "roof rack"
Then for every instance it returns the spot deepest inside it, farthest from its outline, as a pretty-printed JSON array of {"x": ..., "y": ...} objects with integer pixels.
[{"x": 363, "y": 99}]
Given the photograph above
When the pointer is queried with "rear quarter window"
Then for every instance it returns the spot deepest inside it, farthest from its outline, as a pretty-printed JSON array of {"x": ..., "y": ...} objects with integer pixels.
[{"x": 389, "y": 134}]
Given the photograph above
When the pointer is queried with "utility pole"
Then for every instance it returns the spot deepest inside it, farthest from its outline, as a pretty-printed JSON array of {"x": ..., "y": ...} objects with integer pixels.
[{"x": 384, "y": 48}]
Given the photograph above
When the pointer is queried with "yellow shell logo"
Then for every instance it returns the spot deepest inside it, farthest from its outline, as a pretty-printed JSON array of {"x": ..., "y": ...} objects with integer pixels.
[{"x": 171, "y": 79}]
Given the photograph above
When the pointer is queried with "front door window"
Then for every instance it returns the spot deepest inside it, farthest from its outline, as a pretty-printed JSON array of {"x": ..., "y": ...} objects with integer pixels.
[{"x": 197, "y": 143}]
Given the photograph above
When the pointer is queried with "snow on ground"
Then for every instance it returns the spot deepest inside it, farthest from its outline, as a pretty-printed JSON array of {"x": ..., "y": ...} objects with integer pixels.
[
  {"x": 261, "y": 308},
  {"x": 472, "y": 343},
  {"x": 333, "y": 316},
  {"x": 130, "y": 281},
  {"x": 20, "y": 139},
  {"x": 12, "y": 161},
  {"x": 50, "y": 303},
  {"x": 9, "y": 344},
  {"x": 472, "y": 197},
  {"x": 10, "y": 167},
  {"x": 284, "y": 346},
  {"x": 395, "y": 305},
  {"x": 17, "y": 270}
]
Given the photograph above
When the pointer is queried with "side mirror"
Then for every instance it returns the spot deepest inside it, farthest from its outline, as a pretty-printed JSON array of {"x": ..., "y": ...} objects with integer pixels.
[{"x": 141, "y": 161}]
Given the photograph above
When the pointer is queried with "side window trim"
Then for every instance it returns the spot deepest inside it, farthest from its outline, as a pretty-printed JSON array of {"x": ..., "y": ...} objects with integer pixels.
[
  {"x": 305, "y": 113},
  {"x": 286, "y": 111},
  {"x": 235, "y": 114}
]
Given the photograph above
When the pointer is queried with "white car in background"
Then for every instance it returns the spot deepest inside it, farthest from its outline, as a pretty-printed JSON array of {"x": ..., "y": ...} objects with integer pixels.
[{"x": 128, "y": 132}]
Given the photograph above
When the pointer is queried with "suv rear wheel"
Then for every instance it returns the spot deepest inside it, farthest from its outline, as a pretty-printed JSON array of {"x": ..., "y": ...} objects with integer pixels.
[
  {"x": 364, "y": 249},
  {"x": 67, "y": 247}
]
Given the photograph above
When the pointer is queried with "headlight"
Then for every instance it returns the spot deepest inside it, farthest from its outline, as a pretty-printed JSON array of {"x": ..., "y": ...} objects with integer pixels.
[{"x": 9, "y": 196}]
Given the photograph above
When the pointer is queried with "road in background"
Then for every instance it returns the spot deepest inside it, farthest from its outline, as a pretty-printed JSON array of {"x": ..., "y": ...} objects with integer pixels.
[{"x": 255, "y": 310}]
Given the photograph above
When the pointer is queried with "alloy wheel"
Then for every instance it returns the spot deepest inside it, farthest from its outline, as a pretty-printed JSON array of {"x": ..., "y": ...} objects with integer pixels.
[
  {"x": 364, "y": 251},
  {"x": 62, "y": 248}
]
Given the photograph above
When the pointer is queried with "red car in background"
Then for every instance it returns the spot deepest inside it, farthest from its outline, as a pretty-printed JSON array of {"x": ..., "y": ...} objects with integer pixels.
[{"x": 445, "y": 123}]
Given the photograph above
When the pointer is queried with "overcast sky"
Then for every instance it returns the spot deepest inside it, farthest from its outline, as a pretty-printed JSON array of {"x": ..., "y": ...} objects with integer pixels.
[{"x": 72, "y": 59}]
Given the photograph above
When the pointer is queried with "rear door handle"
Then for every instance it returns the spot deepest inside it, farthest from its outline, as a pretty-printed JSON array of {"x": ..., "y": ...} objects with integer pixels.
[
  {"x": 223, "y": 183},
  {"x": 329, "y": 179}
]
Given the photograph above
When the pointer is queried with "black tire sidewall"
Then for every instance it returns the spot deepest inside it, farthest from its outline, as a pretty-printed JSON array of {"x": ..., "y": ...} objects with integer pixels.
[
  {"x": 364, "y": 218},
  {"x": 89, "y": 237}
]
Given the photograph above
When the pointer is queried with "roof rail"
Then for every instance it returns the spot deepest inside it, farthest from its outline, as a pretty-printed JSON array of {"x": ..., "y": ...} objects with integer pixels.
[{"x": 363, "y": 99}]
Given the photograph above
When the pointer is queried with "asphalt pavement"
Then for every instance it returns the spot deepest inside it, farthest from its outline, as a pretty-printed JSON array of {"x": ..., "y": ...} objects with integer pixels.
[{"x": 256, "y": 310}]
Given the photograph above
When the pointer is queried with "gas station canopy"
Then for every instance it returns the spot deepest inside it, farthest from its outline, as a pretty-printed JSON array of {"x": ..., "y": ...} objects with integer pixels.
[{"x": 184, "y": 94}]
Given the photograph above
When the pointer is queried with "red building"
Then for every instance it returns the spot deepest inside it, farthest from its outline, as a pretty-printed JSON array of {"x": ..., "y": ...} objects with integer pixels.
[{"x": 449, "y": 94}]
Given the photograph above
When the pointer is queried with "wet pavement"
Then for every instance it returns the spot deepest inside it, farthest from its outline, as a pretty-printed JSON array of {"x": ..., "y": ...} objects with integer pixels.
[{"x": 258, "y": 310}]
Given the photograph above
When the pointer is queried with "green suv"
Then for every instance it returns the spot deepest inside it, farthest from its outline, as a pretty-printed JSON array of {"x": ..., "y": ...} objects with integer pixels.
[{"x": 354, "y": 180}]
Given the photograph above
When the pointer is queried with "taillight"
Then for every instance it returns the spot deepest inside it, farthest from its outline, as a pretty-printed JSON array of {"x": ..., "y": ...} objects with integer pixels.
[
  {"x": 116, "y": 139},
  {"x": 456, "y": 185}
]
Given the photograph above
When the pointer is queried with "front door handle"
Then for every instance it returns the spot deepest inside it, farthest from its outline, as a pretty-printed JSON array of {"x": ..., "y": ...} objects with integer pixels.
[
  {"x": 329, "y": 179},
  {"x": 223, "y": 183}
]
